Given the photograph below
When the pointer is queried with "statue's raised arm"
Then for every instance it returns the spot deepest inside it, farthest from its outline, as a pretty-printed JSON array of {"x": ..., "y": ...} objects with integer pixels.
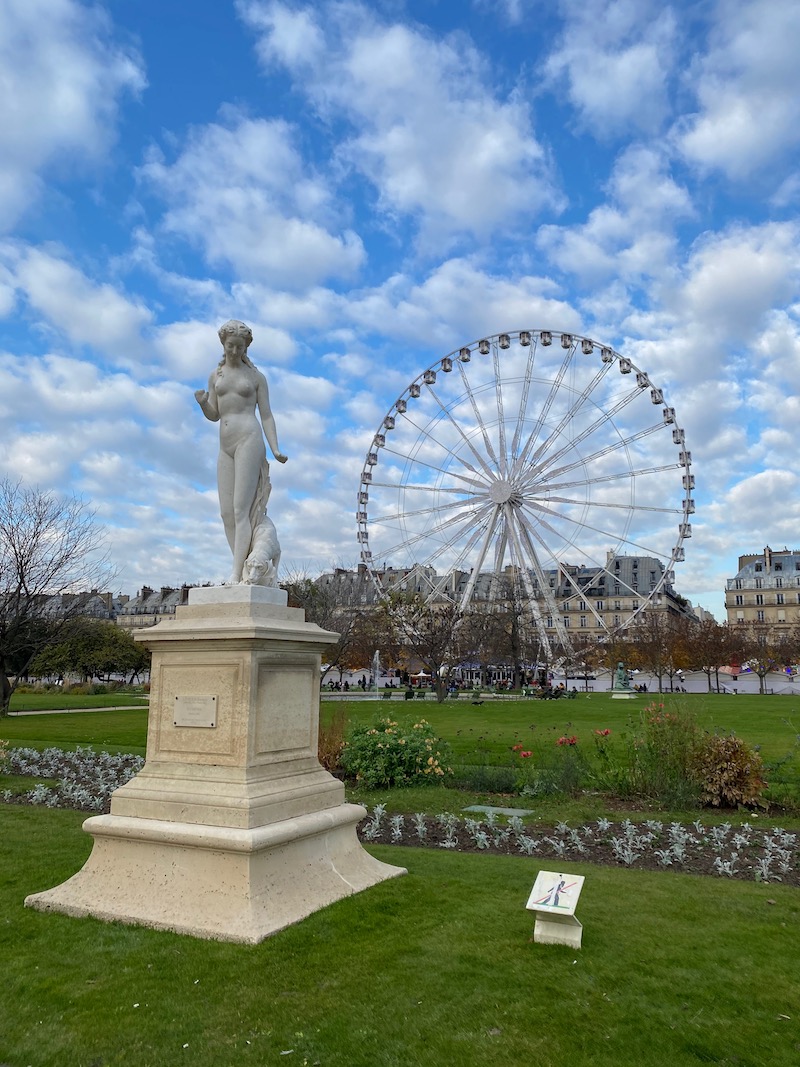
[{"x": 236, "y": 390}]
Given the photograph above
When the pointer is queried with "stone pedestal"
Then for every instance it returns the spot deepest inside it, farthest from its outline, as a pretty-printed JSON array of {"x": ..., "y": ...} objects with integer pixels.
[{"x": 232, "y": 829}]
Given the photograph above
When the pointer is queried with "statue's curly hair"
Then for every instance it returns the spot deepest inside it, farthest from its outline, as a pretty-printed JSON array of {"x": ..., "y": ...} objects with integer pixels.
[{"x": 234, "y": 326}]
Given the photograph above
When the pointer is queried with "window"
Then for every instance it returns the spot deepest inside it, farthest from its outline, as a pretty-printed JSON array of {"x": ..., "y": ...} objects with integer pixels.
[
  {"x": 617, "y": 620},
  {"x": 583, "y": 622},
  {"x": 759, "y": 583},
  {"x": 779, "y": 583},
  {"x": 566, "y": 622},
  {"x": 581, "y": 605},
  {"x": 759, "y": 598},
  {"x": 738, "y": 583},
  {"x": 740, "y": 616},
  {"x": 778, "y": 566},
  {"x": 617, "y": 606},
  {"x": 599, "y": 605},
  {"x": 739, "y": 600},
  {"x": 781, "y": 616},
  {"x": 760, "y": 616},
  {"x": 759, "y": 567},
  {"x": 779, "y": 598},
  {"x": 549, "y": 622},
  {"x": 634, "y": 605}
]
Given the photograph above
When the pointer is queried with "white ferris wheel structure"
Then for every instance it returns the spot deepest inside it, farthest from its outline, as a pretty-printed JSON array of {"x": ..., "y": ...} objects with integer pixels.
[{"x": 534, "y": 458}]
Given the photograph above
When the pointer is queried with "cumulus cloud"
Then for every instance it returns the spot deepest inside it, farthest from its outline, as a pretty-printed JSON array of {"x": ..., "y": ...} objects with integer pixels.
[
  {"x": 63, "y": 76},
  {"x": 747, "y": 87},
  {"x": 241, "y": 192},
  {"x": 429, "y": 132},
  {"x": 616, "y": 58},
  {"x": 631, "y": 234},
  {"x": 84, "y": 311}
]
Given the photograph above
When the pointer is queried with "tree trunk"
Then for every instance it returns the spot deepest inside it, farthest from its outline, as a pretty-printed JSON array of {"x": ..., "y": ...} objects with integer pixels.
[{"x": 5, "y": 694}]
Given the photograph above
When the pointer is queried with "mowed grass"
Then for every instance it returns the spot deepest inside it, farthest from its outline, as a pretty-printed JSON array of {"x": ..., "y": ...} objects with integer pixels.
[
  {"x": 488, "y": 730},
  {"x": 434, "y": 968},
  {"x": 121, "y": 730},
  {"x": 67, "y": 702}
]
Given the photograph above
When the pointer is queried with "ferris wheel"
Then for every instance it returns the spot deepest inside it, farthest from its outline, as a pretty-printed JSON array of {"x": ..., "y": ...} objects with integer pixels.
[{"x": 520, "y": 468}]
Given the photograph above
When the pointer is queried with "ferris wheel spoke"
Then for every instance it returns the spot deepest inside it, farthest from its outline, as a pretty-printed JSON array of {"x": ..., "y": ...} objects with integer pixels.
[
  {"x": 545, "y": 465},
  {"x": 555, "y": 387},
  {"x": 581, "y": 461},
  {"x": 434, "y": 467},
  {"x": 544, "y": 584},
  {"x": 481, "y": 426},
  {"x": 531, "y": 535},
  {"x": 425, "y": 433},
  {"x": 406, "y": 487},
  {"x": 541, "y": 509},
  {"x": 638, "y": 472},
  {"x": 408, "y": 542},
  {"x": 612, "y": 505},
  {"x": 472, "y": 540},
  {"x": 523, "y": 402},
  {"x": 448, "y": 415},
  {"x": 501, "y": 421},
  {"x": 569, "y": 415},
  {"x": 479, "y": 559},
  {"x": 397, "y": 516}
]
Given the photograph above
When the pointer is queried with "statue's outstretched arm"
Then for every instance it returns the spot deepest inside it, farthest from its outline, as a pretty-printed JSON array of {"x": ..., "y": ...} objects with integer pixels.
[{"x": 268, "y": 420}]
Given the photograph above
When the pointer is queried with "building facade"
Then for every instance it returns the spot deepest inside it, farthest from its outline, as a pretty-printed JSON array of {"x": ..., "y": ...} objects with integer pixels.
[{"x": 766, "y": 590}]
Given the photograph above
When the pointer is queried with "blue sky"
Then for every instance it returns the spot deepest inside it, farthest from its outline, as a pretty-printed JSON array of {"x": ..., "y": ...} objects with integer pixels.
[{"x": 371, "y": 186}]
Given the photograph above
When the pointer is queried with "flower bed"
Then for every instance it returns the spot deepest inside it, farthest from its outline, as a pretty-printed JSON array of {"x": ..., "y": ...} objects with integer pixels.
[{"x": 727, "y": 851}]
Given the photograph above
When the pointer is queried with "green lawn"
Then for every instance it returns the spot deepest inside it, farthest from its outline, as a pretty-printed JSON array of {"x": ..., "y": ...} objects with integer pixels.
[
  {"x": 113, "y": 731},
  {"x": 489, "y": 729},
  {"x": 432, "y": 969},
  {"x": 65, "y": 701},
  {"x": 480, "y": 734}
]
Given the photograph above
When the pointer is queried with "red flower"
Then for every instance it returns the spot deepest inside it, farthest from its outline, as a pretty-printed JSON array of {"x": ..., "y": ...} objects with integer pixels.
[
  {"x": 602, "y": 733},
  {"x": 525, "y": 755},
  {"x": 567, "y": 740}
]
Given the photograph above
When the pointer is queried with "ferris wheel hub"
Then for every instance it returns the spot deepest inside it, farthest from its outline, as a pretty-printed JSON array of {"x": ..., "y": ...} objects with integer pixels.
[{"x": 502, "y": 491}]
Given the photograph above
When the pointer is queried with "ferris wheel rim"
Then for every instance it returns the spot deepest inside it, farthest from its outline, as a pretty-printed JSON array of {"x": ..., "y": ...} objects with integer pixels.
[{"x": 498, "y": 486}]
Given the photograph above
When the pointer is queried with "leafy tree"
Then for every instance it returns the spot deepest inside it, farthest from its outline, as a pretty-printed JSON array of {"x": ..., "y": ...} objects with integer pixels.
[
  {"x": 49, "y": 546},
  {"x": 92, "y": 648}
]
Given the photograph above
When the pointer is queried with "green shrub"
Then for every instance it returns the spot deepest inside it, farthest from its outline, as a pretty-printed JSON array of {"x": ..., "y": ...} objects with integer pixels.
[
  {"x": 729, "y": 771},
  {"x": 664, "y": 753},
  {"x": 388, "y": 753}
]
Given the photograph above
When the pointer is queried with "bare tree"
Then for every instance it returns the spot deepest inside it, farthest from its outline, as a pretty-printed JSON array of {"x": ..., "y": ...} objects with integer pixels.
[
  {"x": 427, "y": 633},
  {"x": 49, "y": 547}
]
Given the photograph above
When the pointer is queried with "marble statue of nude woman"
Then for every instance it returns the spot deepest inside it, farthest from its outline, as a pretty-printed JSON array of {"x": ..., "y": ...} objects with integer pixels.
[{"x": 236, "y": 390}]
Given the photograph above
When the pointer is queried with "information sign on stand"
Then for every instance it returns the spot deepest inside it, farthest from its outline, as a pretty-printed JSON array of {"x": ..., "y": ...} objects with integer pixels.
[{"x": 554, "y": 898}]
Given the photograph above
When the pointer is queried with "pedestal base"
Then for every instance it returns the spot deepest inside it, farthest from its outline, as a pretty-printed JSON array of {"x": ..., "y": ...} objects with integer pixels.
[
  {"x": 622, "y": 694},
  {"x": 232, "y": 829},
  {"x": 558, "y": 930},
  {"x": 226, "y": 883}
]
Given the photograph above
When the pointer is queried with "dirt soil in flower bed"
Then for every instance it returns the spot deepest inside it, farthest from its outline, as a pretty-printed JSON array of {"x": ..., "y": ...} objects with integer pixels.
[{"x": 701, "y": 851}]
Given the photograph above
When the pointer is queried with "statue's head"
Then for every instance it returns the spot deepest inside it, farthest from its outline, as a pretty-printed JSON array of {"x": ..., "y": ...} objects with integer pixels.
[{"x": 234, "y": 328}]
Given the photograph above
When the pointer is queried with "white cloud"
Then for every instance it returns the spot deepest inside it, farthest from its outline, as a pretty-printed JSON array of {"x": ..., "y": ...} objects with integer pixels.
[
  {"x": 84, "y": 311},
  {"x": 62, "y": 76},
  {"x": 430, "y": 133},
  {"x": 631, "y": 235},
  {"x": 616, "y": 57},
  {"x": 747, "y": 86},
  {"x": 458, "y": 302},
  {"x": 241, "y": 192}
]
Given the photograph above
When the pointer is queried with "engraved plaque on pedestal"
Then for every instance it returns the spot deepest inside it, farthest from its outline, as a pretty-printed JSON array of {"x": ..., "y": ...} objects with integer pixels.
[{"x": 195, "y": 711}]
